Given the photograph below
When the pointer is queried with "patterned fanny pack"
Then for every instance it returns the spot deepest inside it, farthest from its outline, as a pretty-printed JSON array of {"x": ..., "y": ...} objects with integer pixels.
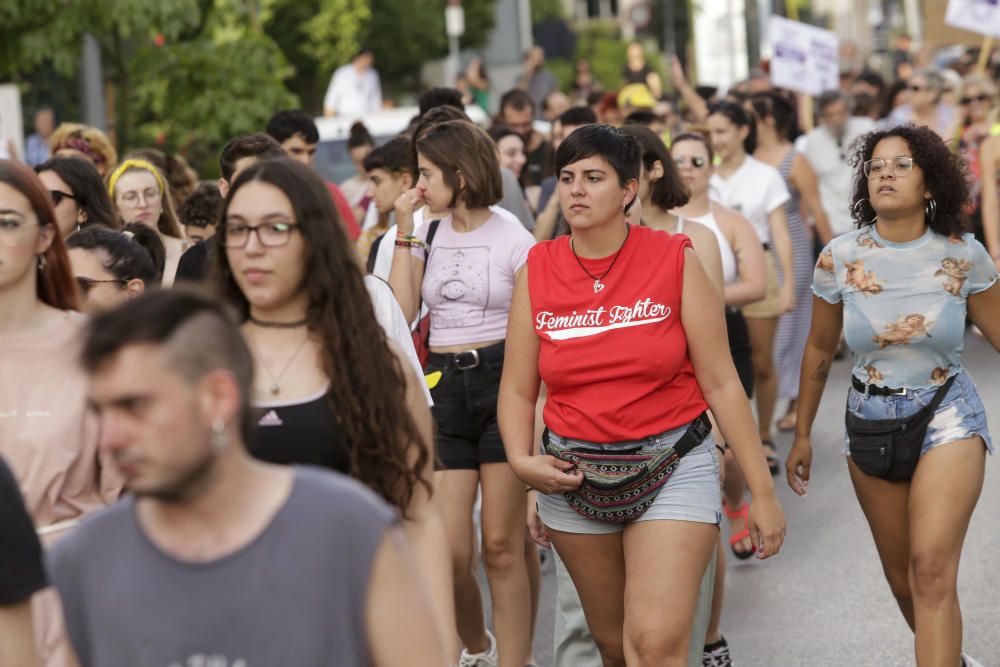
[{"x": 620, "y": 486}]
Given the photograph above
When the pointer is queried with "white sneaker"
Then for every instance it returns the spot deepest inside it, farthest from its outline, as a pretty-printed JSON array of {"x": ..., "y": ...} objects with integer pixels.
[
  {"x": 487, "y": 659},
  {"x": 969, "y": 661}
]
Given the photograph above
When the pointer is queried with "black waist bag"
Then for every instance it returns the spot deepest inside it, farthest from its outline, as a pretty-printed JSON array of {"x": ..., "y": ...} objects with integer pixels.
[{"x": 890, "y": 448}]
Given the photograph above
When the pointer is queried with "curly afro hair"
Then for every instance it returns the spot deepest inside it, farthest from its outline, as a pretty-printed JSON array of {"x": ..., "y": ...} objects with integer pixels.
[{"x": 944, "y": 171}]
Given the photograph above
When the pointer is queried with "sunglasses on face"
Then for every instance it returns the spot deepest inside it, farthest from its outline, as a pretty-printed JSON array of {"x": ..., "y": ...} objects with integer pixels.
[
  {"x": 59, "y": 195},
  {"x": 975, "y": 98},
  {"x": 87, "y": 284},
  {"x": 696, "y": 161}
]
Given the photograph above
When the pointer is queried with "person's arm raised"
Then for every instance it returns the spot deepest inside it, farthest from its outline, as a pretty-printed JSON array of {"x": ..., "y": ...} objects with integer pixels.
[
  {"x": 702, "y": 314},
  {"x": 407, "y": 272},
  {"x": 518, "y": 397},
  {"x": 401, "y": 628},
  {"x": 824, "y": 338}
]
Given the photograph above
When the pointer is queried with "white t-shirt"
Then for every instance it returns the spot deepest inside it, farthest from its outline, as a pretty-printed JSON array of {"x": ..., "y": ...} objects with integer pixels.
[
  {"x": 755, "y": 189},
  {"x": 351, "y": 93},
  {"x": 390, "y": 317},
  {"x": 829, "y": 159}
]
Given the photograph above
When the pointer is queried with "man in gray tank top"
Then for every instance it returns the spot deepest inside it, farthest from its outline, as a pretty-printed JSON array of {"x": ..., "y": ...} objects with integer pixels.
[{"x": 216, "y": 559}]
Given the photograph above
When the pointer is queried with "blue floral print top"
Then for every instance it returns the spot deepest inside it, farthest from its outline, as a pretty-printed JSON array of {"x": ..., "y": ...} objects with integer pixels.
[{"x": 904, "y": 303}]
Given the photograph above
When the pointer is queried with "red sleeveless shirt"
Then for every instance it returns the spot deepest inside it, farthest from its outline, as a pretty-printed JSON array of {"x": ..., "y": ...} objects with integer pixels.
[{"x": 615, "y": 361}]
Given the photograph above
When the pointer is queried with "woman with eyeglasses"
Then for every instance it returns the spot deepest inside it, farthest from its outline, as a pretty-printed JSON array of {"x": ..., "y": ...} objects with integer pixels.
[
  {"x": 47, "y": 435},
  {"x": 141, "y": 194},
  {"x": 979, "y": 140},
  {"x": 924, "y": 106},
  {"x": 901, "y": 287},
  {"x": 79, "y": 197},
  {"x": 330, "y": 389},
  {"x": 112, "y": 267}
]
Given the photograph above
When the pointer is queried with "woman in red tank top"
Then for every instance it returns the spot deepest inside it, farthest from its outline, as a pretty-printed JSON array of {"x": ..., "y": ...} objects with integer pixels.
[{"x": 600, "y": 316}]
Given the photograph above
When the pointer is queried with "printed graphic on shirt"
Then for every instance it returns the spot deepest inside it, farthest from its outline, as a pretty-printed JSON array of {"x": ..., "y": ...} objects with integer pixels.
[
  {"x": 460, "y": 277},
  {"x": 901, "y": 331},
  {"x": 939, "y": 375},
  {"x": 202, "y": 660},
  {"x": 270, "y": 419},
  {"x": 866, "y": 281},
  {"x": 825, "y": 262},
  {"x": 957, "y": 272},
  {"x": 875, "y": 376},
  {"x": 595, "y": 321},
  {"x": 866, "y": 240}
]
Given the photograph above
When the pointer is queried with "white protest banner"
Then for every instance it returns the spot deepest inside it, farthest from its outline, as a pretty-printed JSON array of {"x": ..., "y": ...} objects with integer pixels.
[
  {"x": 980, "y": 16},
  {"x": 804, "y": 57}
]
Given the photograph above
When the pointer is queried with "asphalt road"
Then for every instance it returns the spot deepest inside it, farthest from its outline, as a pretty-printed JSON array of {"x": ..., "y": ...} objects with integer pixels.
[{"x": 823, "y": 602}]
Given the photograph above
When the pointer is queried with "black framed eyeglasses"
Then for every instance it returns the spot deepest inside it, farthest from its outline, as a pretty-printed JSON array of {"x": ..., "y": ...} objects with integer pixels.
[
  {"x": 59, "y": 195},
  {"x": 270, "y": 234},
  {"x": 696, "y": 161},
  {"x": 901, "y": 166},
  {"x": 87, "y": 284}
]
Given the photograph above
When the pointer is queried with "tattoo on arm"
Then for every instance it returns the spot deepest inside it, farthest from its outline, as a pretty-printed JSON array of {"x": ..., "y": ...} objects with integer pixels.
[{"x": 821, "y": 373}]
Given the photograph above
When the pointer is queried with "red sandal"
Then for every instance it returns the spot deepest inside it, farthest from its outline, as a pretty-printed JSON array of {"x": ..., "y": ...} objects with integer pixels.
[{"x": 742, "y": 513}]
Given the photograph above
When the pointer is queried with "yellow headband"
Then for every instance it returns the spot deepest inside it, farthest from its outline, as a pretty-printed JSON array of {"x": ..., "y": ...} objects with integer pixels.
[{"x": 134, "y": 164}]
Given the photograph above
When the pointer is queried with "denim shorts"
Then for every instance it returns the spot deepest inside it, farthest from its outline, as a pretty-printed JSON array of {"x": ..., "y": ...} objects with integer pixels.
[
  {"x": 691, "y": 494},
  {"x": 960, "y": 416}
]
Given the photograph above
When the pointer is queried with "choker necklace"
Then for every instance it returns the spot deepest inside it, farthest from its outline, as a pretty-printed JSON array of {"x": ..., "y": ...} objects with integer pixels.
[
  {"x": 278, "y": 325},
  {"x": 598, "y": 285}
]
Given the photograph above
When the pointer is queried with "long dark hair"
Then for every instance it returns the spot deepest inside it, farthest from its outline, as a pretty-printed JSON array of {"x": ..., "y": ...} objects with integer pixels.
[
  {"x": 56, "y": 285},
  {"x": 87, "y": 187},
  {"x": 367, "y": 391},
  {"x": 944, "y": 174}
]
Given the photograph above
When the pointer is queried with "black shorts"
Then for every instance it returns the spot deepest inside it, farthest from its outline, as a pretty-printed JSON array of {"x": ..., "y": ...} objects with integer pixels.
[
  {"x": 465, "y": 408},
  {"x": 739, "y": 347}
]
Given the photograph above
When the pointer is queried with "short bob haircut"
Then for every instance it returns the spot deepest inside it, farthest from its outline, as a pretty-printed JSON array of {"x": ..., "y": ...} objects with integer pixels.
[
  {"x": 944, "y": 175},
  {"x": 87, "y": 188},
  {"x": 739, "y": 117},
  {"x": 668, "y": 192},
  {"x": 459, "y": 147},
  {"x": 618, "y": 149}
]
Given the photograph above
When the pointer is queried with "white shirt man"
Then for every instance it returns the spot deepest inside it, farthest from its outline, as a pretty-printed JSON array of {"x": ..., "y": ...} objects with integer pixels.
[
  {"x": 828, "y": 149},
  {"x": 354, "y": 88}
]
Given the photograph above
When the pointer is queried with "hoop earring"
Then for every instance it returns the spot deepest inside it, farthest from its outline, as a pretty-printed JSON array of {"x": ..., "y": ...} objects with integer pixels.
[
  {"x": 41, "y": 262},
  {"x": 219, "y": 436},
  {"x": 854, "y": 209},
  {"x": 930, "y": 209}
]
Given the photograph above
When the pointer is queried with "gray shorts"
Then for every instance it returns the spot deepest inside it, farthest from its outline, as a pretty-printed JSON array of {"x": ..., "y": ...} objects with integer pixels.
[{"x": 691, "y": 494}]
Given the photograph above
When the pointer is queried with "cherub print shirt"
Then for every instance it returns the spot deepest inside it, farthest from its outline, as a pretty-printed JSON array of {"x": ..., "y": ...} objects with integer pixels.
[{"x": 904, "y": 303}]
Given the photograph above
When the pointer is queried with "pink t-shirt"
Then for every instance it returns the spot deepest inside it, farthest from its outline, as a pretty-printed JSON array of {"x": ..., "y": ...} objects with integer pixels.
[{"x": 469, "y": 279}]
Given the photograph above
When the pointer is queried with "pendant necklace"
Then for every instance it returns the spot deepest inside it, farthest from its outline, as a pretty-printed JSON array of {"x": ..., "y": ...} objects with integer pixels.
[
  {"x": 275, "y": 387},
  {"x": 598, "y": 285}
]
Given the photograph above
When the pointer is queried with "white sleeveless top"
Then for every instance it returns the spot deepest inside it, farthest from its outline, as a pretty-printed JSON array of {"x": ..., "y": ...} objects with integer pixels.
[{"x": 729, "y": 273}]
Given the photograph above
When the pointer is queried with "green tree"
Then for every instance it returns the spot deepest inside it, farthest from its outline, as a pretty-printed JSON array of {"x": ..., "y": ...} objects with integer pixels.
[{"x": 183, "y": 73}]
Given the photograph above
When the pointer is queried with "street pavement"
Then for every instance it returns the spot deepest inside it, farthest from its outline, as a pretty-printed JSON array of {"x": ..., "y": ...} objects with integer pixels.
[{"x": 823, "y": 601}]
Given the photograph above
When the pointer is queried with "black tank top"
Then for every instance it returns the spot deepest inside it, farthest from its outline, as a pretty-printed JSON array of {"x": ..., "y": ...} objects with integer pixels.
[{"x": 304, "y": 433}]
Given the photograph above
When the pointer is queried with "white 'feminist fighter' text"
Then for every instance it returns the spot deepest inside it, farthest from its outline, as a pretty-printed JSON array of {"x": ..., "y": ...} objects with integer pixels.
[{"x": 599, "y": 320}]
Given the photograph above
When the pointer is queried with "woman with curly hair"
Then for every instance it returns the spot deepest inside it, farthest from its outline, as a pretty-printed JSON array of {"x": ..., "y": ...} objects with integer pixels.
[
  {"x": 83, "y": 141},
  {"x": 332, "y": 392},
  {"x": 902, "y": 285}
]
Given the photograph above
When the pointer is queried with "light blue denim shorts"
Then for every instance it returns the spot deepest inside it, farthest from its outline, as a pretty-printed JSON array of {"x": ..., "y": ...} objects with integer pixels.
[
  {"x": 960, "y": 416},
  {"x": 691, "y": 494}
]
